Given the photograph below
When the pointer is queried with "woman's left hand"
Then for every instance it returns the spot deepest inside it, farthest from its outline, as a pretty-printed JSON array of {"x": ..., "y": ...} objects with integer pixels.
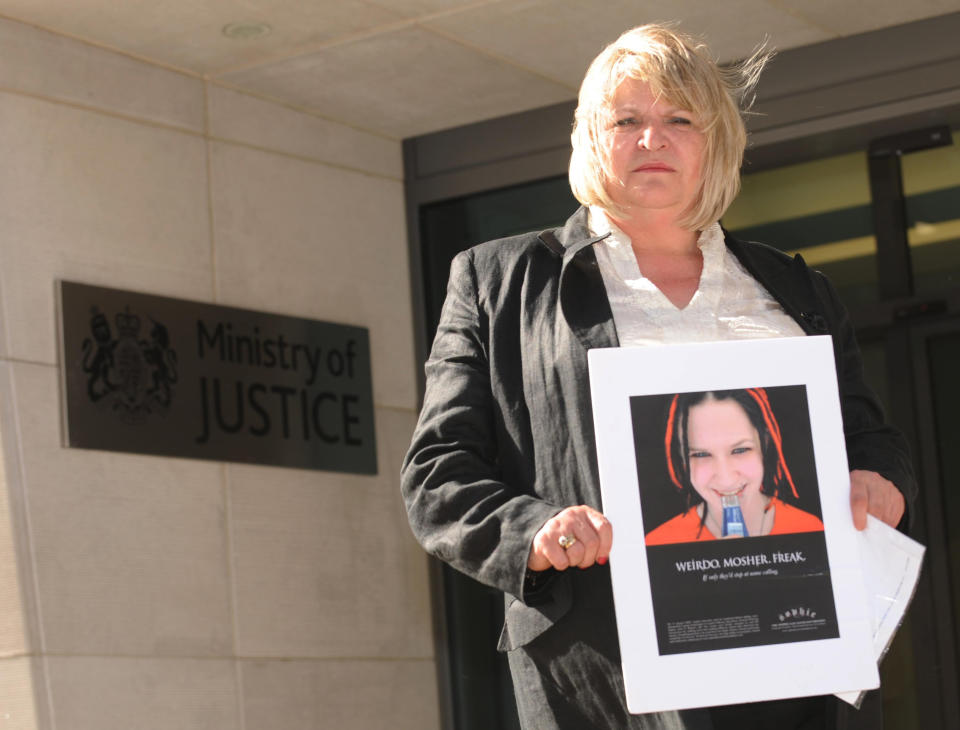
[
  {"x": 591, "y": 538},
  {"x": 871, "y": 493}
]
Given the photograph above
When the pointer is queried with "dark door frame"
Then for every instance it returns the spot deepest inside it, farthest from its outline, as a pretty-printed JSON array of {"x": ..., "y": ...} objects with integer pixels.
[{"x": 934, "y": 613}]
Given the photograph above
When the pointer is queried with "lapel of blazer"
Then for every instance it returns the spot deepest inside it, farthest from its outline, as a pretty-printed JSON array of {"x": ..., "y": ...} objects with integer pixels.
[
  {"x": 583, "y": 297},
  {"x": 790, "y": 285}
]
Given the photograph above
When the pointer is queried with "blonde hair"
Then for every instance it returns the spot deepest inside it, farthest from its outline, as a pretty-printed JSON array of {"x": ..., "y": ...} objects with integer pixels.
[{"x": 680, "y": 69}]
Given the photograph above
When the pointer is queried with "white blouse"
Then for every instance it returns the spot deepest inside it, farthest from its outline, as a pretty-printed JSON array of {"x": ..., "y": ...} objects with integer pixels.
[{"x": 729, "y": 303}]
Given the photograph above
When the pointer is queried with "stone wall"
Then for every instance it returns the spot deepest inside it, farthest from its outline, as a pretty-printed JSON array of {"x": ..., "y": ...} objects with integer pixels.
[{"x": 148, "y": 592}]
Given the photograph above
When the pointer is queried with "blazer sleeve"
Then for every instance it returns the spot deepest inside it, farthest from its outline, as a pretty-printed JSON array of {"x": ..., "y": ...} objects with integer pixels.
[
  {"x": 459, "y": 508},
  {"x": 871, "y": 442}
]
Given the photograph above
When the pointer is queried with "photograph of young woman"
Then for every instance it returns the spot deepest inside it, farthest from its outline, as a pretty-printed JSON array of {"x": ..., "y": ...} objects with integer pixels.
[{"x": 724, "y": 452}]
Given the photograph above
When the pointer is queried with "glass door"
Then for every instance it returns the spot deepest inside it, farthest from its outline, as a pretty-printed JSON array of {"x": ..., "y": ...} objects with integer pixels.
[
  {"x": 829, "y": 211},
  {"x": 935, "y": 354},
  {"x": 910, "y": 365}
]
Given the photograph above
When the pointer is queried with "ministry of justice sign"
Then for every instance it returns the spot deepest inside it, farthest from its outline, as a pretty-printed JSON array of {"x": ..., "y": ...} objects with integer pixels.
[{"x": 172, "y": 377}]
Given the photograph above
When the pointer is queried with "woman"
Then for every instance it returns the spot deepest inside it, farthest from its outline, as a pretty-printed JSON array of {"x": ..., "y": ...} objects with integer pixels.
[
  {"x": 501, "y": 477},
  {"x": 724, "y": 451}
]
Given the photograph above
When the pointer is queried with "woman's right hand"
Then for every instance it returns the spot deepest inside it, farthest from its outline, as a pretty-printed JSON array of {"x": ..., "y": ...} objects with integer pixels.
[{"x": 591, "y": 530}]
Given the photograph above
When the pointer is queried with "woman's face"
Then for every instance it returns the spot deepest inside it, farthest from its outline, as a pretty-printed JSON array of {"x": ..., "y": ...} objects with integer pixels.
[
  {"x": 656, "y": 151},
  {"x": 725, "y": 453}
]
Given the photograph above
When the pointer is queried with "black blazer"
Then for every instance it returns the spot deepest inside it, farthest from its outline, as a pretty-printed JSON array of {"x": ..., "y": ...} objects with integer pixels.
[{"x": 505, "y": 438}]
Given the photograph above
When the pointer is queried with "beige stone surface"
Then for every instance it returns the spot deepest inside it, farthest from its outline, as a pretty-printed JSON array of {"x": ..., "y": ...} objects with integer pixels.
[
  {"x": 188, "y": 35},
  {"x": 353, "y": 82},
  {"x": 244, "y": 118},
  {"x": 133, "y": 581},
  {"x": 94, "y": 199},
  {"x": 4, "y": 339},
  {"x": 565, "y": 56},
  {"x": 347, "y": 695},
  {"x": 848, "y": 18},
  {"x": 393, "y": 66},
  {"x": 324, "y": 563},
  {"x": 130, "y": 551},
  {"x": 15, "y": 639},
  {"x": 305, "y": 239},
  {"x": 49, "y": 65},
  {"x": 21, "y": 695},
  {"x": 114, "y": 693}
]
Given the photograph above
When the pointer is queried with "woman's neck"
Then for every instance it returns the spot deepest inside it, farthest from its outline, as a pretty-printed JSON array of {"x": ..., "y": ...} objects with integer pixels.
[
  {"x": 666, "y": 254},
  {"x": 657, "y": 232}
]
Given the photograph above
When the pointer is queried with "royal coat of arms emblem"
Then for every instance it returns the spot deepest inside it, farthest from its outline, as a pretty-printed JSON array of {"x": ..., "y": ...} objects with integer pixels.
[{"x": 133, "y": 376}]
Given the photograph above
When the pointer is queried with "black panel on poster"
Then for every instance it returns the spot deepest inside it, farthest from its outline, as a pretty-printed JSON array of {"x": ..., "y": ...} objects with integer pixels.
[
  {"x": 722, "y": 594},
  {"x": 171, "y": 377}
]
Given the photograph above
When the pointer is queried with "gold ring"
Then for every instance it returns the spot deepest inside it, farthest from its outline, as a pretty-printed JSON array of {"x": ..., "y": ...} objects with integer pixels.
[{"x": 567, "y": 541}]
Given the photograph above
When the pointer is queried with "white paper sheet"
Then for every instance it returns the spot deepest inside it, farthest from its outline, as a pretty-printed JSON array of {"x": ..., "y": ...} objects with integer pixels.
[
  {"x": 891, "y": 566},
  {"x": 658, "y": 679}
]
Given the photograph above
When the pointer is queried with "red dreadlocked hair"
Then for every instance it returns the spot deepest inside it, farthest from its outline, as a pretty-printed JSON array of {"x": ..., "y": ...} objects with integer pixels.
[{"x": 759, "y": 395}]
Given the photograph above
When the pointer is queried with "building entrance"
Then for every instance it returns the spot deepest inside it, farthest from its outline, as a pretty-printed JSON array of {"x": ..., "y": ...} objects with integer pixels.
[{"x": 902, "y": 288}]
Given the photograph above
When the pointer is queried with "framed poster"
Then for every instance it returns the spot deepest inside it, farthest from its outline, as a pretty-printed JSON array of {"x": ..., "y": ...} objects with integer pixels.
[{"x": 735, "y": 564}]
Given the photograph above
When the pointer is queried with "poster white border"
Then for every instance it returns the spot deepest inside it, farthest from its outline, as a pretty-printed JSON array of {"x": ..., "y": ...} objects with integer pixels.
[{"x": 726, "y": 676}]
